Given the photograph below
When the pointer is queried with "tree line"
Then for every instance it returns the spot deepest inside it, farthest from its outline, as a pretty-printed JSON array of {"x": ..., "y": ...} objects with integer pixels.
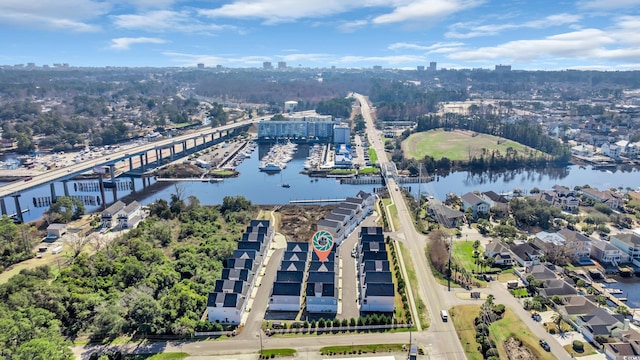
[{"x": 152, "y": 281}]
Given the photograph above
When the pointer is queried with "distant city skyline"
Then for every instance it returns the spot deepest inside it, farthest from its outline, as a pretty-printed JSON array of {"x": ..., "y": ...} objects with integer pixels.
[{"x": 402, "y": 34}]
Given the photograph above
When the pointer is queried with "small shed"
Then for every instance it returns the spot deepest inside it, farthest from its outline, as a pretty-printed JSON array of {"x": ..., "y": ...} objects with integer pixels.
[{"x": 55, "y": 231}]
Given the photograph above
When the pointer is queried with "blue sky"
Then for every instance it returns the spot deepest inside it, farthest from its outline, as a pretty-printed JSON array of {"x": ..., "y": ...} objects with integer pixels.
[{"x": 529, "y": 35}]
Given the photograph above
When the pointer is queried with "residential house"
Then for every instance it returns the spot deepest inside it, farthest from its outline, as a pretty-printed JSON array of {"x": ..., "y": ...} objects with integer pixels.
[
  {"x": 225, "y": 308},
  {"x": 611, "y": 150},
  {"x": 558, "y": 287},
  {"x": 377, "y": 297},
  {"x": 500, "y": 253},
  {"x": 322, "y": 292},
  {"x": 622, "y": 350},
  {"x": 577, "y": 245},
  {"x": 606, "y": 253},
  {"x": 231, "y": 287},
  {"x": 129, "y": 216},
  {"x": 286, "y": 296},
  {"x": 600, "y": 323},
  {"x": 109, "y": 216},
  {"x": 539, "y": 272},
  {"x": 525, "y": 254},
  {"x": 628, "y": 148},
  {"x": 445, "y": 215},
  {"x": 577, "y": 305},
  {"x": 476, "y": 203},
  {"x": 498, "y": 202},
  {"x": 614, "y": 200},
  {"x": 628, "y": 243}
]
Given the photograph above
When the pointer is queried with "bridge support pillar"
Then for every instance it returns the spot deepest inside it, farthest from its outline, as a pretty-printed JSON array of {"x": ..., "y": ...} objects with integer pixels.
[
  {"x": 144, "y": 161},
  {"x": 133, "y": 184},
  {"x": 172, "y": 151},
  {"x": 3, "y": 207},
  {"x": 16, "y": 199},
  {"x": 131, "y": 163},
  {"x": 52, "y": 186},
  {"x": 101, "y": 183},
  {"x": 65, "y": 185},
  {"x": 114, "y": 189}
]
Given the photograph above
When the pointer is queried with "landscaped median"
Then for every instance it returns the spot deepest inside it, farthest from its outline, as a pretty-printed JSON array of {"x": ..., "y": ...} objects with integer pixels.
[{"x": 363, "y": 349}]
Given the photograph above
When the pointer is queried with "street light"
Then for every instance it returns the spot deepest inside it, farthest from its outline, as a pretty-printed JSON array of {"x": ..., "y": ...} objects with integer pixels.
[{"x": 260, "y": 333}]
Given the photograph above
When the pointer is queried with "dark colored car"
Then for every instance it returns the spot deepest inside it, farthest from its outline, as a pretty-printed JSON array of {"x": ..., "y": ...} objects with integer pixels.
[{"x": 545, "y": 345}]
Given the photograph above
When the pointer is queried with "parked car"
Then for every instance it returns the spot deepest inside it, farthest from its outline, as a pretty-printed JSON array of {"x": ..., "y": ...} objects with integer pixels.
[{"x": 545, "y": 345}]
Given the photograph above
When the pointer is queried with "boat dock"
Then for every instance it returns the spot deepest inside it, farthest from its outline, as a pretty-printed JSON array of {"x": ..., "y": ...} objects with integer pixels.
[{"x": 312, "y": 201}]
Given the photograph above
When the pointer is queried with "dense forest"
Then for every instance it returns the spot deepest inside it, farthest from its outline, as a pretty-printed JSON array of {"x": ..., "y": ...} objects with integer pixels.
[{"x": 152, "y": 281}]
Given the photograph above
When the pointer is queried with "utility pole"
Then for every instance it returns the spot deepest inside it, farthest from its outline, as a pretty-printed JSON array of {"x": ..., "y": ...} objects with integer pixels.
[{"x": 450, "y": 250}]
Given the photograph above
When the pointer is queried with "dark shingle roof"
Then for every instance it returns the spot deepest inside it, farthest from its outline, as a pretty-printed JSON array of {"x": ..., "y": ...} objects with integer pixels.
[
  {"x": 322, "y": 266},
  {"x": 294, "y": 256},
  {"x": 322, "y": 277},
  {"x": 229, "y": 286},
  {"x": 380, "y": 289},
  {"x": 249, "y": 245},
  {"x": 235, "y": 274},
  {"x": 286, "y": 289},
  {"x": 289, "y": 276},
  {"x": 377, "y": 277},
  {"x": 293, "y": 265},
  {"x": 298, "y": 246},
  {"x": 376, "y": 265},
  {"x": 326, "y": 290}
]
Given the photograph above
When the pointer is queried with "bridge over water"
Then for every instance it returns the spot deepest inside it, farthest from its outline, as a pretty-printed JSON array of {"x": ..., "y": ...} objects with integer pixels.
[{"x": 146, "y": 157}]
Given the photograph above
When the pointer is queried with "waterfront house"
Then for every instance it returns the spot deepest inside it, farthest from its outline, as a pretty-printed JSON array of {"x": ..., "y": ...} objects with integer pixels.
[
  {"x": 109, "y": 216},
  {"x": 613, "y": 199},
  {"x": 577, "y": 245},
  {"x": 539, "y": 272},
  {"x": 577, "y": 305},
  {"x": 628, "y": 243},
  {"x": 606, "y": 253},
  {"x": 130, "y": 215},
  {"x": 476, "y": 203},
  {"x": 611, "y": 150},
  {"x": 558, "y": 287}
]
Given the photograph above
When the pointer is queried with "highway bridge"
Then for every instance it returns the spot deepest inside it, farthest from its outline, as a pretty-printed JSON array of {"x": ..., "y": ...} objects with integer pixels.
[{"x": 187, "y": 143}]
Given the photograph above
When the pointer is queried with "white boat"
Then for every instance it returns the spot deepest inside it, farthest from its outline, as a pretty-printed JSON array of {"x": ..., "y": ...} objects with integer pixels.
[{"x": 270, "y": 167}]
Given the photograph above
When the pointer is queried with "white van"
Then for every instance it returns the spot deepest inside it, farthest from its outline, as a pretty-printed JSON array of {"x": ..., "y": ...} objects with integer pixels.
[{"x": 444, "y": 315}]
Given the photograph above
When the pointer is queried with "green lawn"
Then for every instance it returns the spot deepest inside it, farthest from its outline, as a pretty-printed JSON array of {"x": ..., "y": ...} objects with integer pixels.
[
  {"x": 369, "y": 170},
  {"x": 423, "y": 313},
  {"x": 373, "y": 157},
  {"x": 455, "y": 145},
  {"x": 268, "y": 353},
  {"x": 588, "y": 350},
  {"x": 462, "y": 317},
  {"x": 463, "y": 254},
  {"x": 393, "y": 212}
]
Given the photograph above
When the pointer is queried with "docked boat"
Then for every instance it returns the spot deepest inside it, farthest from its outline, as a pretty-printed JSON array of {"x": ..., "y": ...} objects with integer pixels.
[
  {"x": 285, "y": 185},
  {"x": 270, "y": 167}
]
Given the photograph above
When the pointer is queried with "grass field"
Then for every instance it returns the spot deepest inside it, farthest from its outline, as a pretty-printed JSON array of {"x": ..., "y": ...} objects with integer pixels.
[
  {"x": 161, "y": 356},
  {"x": 463, "y": 254},
  {"x": 455, "y": 145},
  {"x": 423, "y": 313},
  {"x": 462, "y": 317}
]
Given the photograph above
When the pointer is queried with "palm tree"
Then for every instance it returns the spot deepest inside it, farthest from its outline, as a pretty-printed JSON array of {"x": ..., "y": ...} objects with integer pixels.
[{"x": 557, "y": 320}]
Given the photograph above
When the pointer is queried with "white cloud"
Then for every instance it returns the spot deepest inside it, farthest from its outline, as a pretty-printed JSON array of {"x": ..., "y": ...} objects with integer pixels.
[
  {"x": 472, "y": 30},
  {"x": 165, "y": 21},
  {"x": 278, "y": 11},
  {"x": 124, "y": 43},
  {"x": 425, "y": 9},
  {"x": 608, "y": 4},
  {"x": 578, "y": 44},
  {"x": 66, "y": 15},
  {"x": 352, "y": 26},
  {"x": 437, "y": 47}
]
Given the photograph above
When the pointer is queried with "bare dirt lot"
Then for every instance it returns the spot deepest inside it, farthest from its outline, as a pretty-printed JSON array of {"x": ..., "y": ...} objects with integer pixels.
[
  {"x": 516, "y": 351},
  {"x": 298, "y": 223}
]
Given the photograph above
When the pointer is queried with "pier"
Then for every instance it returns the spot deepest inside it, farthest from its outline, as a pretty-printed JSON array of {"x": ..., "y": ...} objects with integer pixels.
[{"x": 312, "y": 201}]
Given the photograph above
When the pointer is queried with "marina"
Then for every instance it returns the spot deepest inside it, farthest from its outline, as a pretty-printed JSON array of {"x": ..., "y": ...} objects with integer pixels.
[{"x": 278, "y": 157}]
